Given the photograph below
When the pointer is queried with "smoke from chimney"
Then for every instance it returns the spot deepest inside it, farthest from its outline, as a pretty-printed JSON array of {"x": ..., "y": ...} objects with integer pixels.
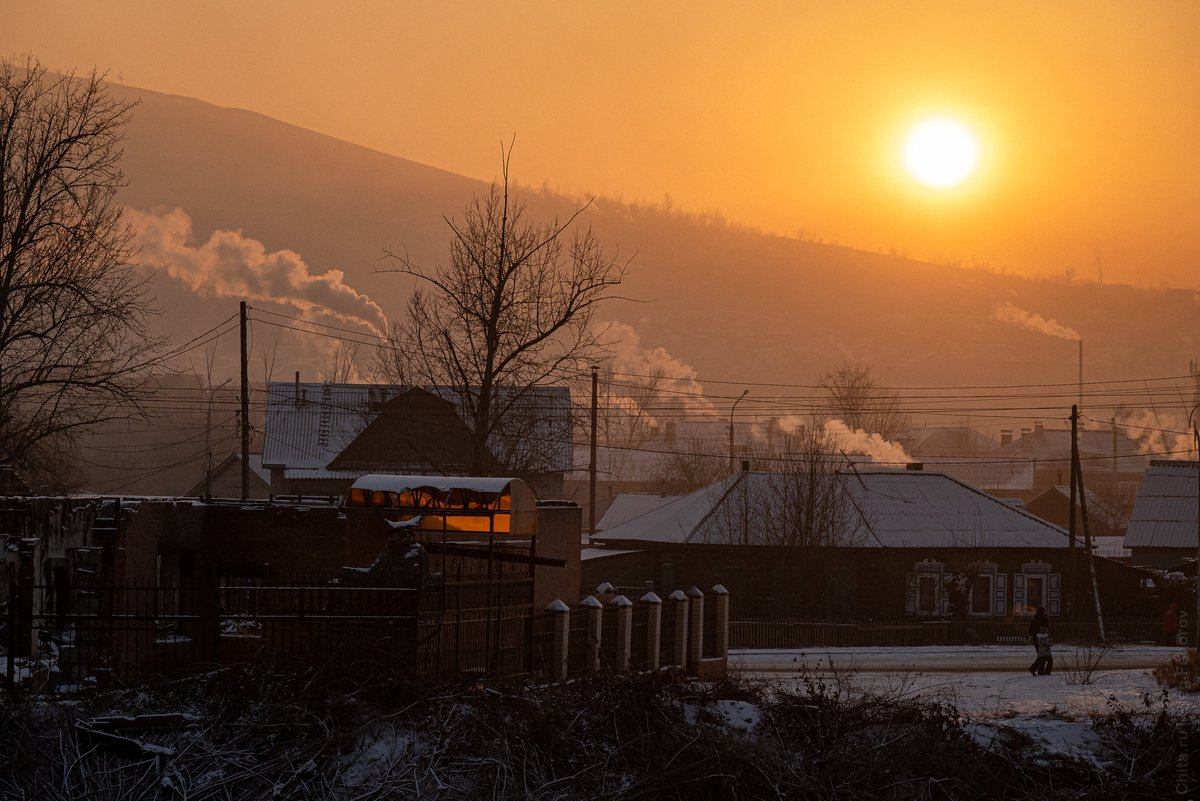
[
  {"x": 230, "y": 265},
  {"x": 1008, "y": 313}
]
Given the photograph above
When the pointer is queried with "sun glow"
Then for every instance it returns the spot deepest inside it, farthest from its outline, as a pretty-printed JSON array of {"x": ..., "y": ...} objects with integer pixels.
[{"x": 941, "y": 153}]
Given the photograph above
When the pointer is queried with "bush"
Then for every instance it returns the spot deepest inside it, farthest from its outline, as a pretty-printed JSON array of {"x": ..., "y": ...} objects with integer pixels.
[{"x": 1181, "y": 672}]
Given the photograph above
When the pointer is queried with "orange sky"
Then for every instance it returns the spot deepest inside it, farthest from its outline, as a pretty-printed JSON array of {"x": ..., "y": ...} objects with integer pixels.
[{"x": 783, "y": 115}]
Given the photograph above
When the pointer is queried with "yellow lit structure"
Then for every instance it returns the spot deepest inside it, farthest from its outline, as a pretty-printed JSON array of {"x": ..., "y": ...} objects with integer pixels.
[{"x": 449, "y": 504}]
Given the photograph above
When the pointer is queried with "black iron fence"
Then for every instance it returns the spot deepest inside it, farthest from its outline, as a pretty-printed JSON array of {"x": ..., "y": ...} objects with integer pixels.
[{"x": 804, "y": 633}]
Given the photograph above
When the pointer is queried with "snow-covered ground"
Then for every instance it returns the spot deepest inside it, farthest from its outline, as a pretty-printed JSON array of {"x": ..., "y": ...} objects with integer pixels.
[{"x": 992, "y": 686}]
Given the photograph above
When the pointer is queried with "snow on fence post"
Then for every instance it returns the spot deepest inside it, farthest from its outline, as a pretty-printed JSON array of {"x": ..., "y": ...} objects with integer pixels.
[
  {"x": 653, "y": 629},
  {"x": 696, "y": 635},
  {"x": 624, "y": 631},
  {"x": 595, "y": 619},
  {"x": 679, "y": 657},
  {"x": 722, "y": 633},
  {"x": 560, "y": 645}
]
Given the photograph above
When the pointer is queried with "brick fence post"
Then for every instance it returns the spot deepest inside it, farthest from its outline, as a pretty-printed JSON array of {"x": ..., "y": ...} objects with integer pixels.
[
  {"x": 561, "y": 628},
  {"x": 722, "y": 633},
  {"x": 595, "y": 619},
  {"x": 653, "y": 629},
  {"x": 679, "y": 657},
  {"x": 624, "y": 631},
  {"x": 696, "y": 640}
]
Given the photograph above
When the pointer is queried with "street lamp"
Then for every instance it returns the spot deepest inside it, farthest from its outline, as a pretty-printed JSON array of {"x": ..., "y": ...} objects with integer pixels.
[
  {"x": 745, "y": 392},
  {"x": 1193, "y": 630}
]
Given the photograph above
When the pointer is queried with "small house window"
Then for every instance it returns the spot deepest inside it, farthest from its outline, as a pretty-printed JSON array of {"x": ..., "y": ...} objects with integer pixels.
[{"x": 925, "y": 593}]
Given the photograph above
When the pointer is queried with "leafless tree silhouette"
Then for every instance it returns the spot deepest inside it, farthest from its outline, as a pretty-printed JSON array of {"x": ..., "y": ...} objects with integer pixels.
[
  {"x": 73, "y": 311},
  {"x": 511, "y": 310}
]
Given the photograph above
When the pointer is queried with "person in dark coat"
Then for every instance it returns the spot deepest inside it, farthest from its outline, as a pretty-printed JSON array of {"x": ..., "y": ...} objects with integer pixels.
[
  {"x": 1039, "y": 624},
  {"x": 1044, "y": 664}
]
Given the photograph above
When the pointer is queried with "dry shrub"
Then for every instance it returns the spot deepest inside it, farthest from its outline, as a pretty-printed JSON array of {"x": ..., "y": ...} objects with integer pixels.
[{"x": 1181, "y": 672}]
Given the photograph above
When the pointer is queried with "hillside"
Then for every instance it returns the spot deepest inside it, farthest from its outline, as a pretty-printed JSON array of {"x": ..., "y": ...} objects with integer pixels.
[{"x": 734, "y": 304}]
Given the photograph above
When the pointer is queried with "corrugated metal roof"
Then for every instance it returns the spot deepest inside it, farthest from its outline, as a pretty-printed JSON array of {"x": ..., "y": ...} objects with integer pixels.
[
  {"x": 629, "y": 505},
  {"x": 1167, "y": 508},
  {"x": 308, "y": 425},
  {"x": 897, "y": 509}
]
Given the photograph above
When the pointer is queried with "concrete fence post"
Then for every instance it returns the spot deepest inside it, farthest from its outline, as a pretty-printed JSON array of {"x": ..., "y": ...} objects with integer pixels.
[
  {"x": 679, "y": 657},
  {"x": 595, "y": 619},
  {"x": 721, "y": 636},
  {"x": 696, "y": 638},
  {"x": 624, "y": 632},
  {"x": 561, "y": 624},
  {"x": 653, "y": 629}
]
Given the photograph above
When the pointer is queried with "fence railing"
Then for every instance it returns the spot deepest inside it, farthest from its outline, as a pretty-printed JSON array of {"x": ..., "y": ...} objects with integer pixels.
[
  {"x": 805, "y": 633},
  {"x": 112, "y": 635}
]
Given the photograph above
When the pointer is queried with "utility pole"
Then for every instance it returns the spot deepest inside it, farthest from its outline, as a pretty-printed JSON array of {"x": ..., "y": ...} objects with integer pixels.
[
  {"x": 592, "y": 462},
  {"x": 245, "y": 409},
  {"x": 1071, "y": 526},
  {"x": 1077, "y": 476}
]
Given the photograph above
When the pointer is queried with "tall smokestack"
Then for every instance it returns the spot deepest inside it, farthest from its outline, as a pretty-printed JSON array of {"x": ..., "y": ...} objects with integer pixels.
[{"x": 1081, "y": 378}]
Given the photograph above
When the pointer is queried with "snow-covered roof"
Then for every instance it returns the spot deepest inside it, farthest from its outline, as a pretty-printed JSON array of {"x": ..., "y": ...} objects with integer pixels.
[
  {"x": 391, "y": 483},
  {"x": 308, "y": 425},
  {"x": 887, "y": 508},
  {"x": 629, "y": 505},
  {"x": 1167, "y": 507}
]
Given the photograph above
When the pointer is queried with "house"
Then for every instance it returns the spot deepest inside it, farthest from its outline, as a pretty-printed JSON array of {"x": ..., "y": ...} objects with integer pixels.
[
  {"x": 1112, "y": 462},
  {"x": 899, "y": 544},
  {"x": 1165, "y": 522},
  {"x": 318, "y": 438},
  {"x": 1054, "y": 505},
  {"x": 224, "y": 480}
]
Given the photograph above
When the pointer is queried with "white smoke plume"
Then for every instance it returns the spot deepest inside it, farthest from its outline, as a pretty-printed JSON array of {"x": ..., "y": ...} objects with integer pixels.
[
  {"x": 1008, "y": 313},
  {"x": 873, "y": 446},
  {"x": 653, "y": 379},
  {"x": 1159, "y": 435},
  {"x": 230, "y": 265}
]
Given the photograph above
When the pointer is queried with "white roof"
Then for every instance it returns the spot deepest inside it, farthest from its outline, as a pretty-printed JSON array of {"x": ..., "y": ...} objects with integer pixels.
[
  {"x": 629, "y": 505},
  {"x": 308, "y": 425},
  {"x": 888, "y": 508},
  {"x": 1166, "y": 510},
  {"x": 391, "y": 483}
]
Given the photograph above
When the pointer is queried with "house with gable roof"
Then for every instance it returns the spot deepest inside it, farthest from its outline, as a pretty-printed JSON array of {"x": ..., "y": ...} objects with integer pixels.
[
  {"x": 908, "y": 544},
  {"x": 318, "y": 438},
  {"x": 1165, "y": 523}
]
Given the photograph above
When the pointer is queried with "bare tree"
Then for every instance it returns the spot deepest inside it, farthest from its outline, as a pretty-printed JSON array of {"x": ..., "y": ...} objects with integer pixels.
[
  {"x": 695, "y": 463},
  {"x": 512, "y": 310},
  {"x": 340, "y": 366},
  {"x": 856, "y": 398},
  {"x": 800, "y": 500},
  {"x": 73, "y": 312}
]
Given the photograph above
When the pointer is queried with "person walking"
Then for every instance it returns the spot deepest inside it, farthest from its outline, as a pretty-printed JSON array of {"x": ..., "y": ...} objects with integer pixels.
[
  {"x": 1039, "y": 625},
  {"x": 1044, "y": 664}
]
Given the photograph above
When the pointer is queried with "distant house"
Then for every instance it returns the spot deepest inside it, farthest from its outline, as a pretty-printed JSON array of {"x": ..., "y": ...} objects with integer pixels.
[
  {"x": 1054, "y": 505},
  {"x": 1112, "y": 462},
  {"x": 318, "y": 438},
  {"x": 1163, "y": 528},
  {"x": 225, "y": 479},
  {"x": 910, "y": 544}
]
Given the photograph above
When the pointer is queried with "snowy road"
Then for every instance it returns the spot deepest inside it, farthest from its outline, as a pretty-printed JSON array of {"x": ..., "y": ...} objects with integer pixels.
[{"x": 954, "y": 659}]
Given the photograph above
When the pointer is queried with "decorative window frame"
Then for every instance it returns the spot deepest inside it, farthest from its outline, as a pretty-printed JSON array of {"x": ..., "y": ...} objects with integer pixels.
[
  {"x": 997, "y": 590},
  {"x": 926, "y": 569},
  {"x": 1052, "y": 588}
]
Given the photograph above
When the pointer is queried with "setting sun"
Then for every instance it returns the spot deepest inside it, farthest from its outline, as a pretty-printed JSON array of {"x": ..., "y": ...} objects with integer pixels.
[{"x": 941, "y": 153}]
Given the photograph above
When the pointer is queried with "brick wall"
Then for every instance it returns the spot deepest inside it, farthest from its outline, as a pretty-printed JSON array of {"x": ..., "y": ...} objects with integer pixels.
[{"x": 558, "y": 534}]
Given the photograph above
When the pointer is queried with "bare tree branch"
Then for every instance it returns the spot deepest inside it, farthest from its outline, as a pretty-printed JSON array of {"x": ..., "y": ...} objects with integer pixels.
[
  {"x": 512, "y": 310},
  {"x": 73, "y": 338}
]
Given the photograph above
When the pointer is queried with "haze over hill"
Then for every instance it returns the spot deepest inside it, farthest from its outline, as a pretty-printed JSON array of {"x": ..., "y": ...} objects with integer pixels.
[{"x": 734, "y": 304}]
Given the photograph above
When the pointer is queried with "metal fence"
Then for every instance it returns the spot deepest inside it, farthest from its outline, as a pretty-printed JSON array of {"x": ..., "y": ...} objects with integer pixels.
[
  {"x": 113, "y": 635},
  {"x": 805, "y": 633}
]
